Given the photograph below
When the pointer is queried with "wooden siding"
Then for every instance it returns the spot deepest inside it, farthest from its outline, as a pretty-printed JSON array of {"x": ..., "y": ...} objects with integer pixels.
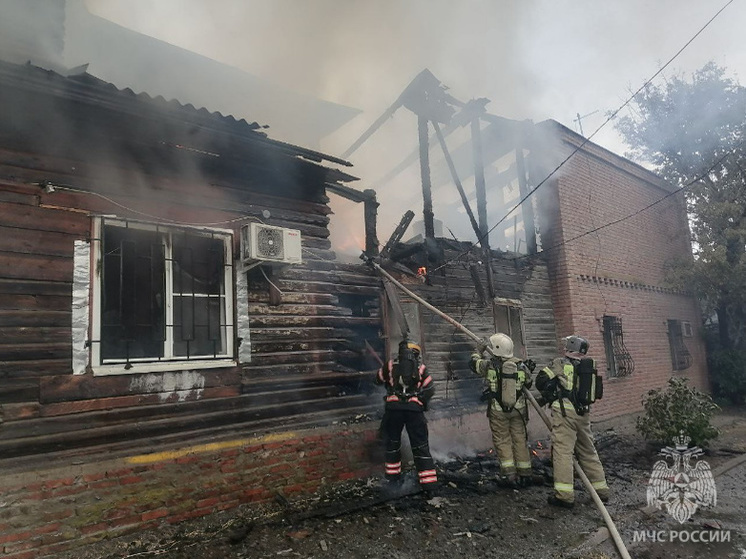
[
  {"x": 307, "y": 351},
  {"x": 452, "y": 289}
]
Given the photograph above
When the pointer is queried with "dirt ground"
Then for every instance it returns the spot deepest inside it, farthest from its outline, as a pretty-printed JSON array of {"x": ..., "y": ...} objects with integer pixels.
[{"x": 469, "y": 516}]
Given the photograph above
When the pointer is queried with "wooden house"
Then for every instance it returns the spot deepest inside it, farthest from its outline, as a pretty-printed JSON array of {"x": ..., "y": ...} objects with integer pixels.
[{"x": 146, "y": 290}]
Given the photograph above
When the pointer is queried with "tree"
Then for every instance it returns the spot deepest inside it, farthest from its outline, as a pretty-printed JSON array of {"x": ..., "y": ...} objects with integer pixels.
[{"x": 694, "y": 133}]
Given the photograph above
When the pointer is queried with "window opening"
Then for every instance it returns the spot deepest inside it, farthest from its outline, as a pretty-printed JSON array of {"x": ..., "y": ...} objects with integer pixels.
[
  {"x": 618, "y": 359},
  {"x": 166, "y": 293},
  {"x": 508, "y": 316},
  {"x": 681, "y": 359}
]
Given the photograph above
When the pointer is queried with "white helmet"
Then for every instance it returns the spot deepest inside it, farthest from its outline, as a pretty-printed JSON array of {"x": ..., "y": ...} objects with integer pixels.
[
  {"x": 501, "y": 345},
  {"x": 576, "y": 344}
]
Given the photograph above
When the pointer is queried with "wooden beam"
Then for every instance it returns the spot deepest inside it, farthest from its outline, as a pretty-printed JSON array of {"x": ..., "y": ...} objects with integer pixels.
[
  {"x": 397, "y": 234},
  {"x": 427, "y": 195},
  {"x": 527, "y": 209},
  {"x": 479, "y": 182},
  {"x": 457, "y": 182},
  {"x": 370, "y": 215}
]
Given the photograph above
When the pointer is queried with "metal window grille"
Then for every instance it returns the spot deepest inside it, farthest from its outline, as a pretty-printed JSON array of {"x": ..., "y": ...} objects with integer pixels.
[
  {"x": 681, "y": 359},
  {"x": 618, "y": 359},
  {"x": 163, "y": 294}
]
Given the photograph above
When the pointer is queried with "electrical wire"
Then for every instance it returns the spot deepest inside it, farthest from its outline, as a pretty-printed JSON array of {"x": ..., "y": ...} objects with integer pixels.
[
  {"x": 684, "y": 188},
  {"x": 270, "y": 281},
  {"x": 54, "y": 187},
  {"x": 608, "y": 119}
]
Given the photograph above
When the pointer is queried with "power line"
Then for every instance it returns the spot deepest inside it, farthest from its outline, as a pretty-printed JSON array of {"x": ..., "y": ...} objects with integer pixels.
[
  {"x": 588, "y": 139},
  {"x": 637, "y": 212}
]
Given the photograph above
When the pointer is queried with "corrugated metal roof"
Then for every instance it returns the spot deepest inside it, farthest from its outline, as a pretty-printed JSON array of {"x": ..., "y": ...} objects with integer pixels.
[{"x": 90, "y": 89}]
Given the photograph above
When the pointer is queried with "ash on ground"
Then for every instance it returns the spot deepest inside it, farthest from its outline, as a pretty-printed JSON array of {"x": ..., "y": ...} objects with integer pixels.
[{"x": 471, "y": 514}]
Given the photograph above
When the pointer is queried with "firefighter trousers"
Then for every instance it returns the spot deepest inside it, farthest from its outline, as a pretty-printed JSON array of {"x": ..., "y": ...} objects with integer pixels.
[
  {"x": 571, "y": 435},
  {"x": 416, "y": 424},
  {"x": 510, "y": 440}
]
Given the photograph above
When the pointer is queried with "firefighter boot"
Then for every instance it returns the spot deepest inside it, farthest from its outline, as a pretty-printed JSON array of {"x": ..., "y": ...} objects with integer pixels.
[{"x": 555, "y": 502}]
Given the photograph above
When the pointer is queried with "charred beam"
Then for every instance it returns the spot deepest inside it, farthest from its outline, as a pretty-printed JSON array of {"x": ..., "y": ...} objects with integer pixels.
[
  {"x": 398, "y": 233},
  {"x": 457, "y": 181},
  {"x": 427, "y": 195},
  {"x": 370, "y": 211},
  {"x": 479, "y": 182},
  {"x": 526, "y": 208}
]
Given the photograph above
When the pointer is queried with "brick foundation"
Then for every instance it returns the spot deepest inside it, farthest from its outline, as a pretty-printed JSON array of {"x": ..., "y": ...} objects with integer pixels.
[
  {"x": 50, "y": 510},
  {"x": 57, "y": 508}
]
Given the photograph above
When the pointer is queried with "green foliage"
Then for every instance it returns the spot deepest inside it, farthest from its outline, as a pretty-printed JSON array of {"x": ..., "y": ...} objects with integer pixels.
[
  {"x": 694, "y": 133},
  {"x": 677, "y": 408},
  {"x": 728, "y": 375}
]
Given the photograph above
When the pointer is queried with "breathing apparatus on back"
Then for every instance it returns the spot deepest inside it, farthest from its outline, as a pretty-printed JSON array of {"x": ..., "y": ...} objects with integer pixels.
[{"x": 406, "y": 370}]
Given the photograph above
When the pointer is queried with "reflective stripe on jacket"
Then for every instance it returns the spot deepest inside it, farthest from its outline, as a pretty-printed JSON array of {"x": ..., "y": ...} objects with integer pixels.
[{"x": 415, "y": 399}]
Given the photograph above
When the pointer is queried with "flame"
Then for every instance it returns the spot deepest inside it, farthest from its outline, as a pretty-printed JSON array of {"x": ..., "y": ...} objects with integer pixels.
[{"x": 422, "y": 271}]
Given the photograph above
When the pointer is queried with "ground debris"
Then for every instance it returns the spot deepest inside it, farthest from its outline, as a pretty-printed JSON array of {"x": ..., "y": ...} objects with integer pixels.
[{"x": 469, "y": 515}]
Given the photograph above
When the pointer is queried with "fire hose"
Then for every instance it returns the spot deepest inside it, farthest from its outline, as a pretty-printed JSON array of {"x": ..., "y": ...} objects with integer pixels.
[{"x": 581, "y": 474}]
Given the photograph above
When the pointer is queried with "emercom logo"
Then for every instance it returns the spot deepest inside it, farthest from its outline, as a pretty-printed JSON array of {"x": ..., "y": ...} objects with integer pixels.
[{"x": 680, "y": 486}]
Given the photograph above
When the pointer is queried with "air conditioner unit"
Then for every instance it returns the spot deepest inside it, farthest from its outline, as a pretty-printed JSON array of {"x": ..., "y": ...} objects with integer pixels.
[{"x": 269, "y": 244}]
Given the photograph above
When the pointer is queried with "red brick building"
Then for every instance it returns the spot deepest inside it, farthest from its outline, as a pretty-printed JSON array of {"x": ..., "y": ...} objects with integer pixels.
[{"x": 610, "y": 285}]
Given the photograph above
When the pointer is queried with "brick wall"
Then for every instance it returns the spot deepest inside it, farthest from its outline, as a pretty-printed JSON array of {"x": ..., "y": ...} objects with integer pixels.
[
  {"x": 52, "y": 509},
  {"x": 45, "y": 510},
  {"x": 619, "y": 270}
]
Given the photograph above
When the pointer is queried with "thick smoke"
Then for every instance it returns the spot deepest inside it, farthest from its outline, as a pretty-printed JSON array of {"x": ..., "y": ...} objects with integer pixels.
[{"x": 537, "y": 60}]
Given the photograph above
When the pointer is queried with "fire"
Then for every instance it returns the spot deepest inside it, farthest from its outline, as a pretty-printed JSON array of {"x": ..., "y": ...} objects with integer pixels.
[{"x": 422, "y": 271}]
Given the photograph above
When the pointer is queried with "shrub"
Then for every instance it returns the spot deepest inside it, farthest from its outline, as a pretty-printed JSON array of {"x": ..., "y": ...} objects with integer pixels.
[
  {"x": 677, "y": 408},
  {"x": 728, "y": 373}
]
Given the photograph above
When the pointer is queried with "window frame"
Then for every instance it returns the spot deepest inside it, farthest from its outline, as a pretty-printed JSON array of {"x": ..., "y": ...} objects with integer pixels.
[
  {"x": 513, "y": 309},
  {"x": 619, "y": 361},
  {"x": 679, "y": 362},
  {"x": 169, "y": 361}
]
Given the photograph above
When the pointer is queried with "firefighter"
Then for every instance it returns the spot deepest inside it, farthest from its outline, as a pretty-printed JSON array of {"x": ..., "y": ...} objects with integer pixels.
[
  {"x": 571, "y": 385},
  {"x": 409, "y": 388},
  {"x": 507, "y": 412}
]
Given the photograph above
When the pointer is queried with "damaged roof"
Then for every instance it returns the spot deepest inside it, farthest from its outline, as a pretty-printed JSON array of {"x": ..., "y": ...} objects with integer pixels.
[{"x": 204, "y": 133}]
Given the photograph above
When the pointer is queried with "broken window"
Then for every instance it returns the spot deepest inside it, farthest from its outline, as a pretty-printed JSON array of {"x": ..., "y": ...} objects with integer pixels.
[
  {"x": 164, "y": 295},
  {"x": 680, "y": 356},
  {"x": 509, "y": 320},
  {"x": 618, "y": 359}
]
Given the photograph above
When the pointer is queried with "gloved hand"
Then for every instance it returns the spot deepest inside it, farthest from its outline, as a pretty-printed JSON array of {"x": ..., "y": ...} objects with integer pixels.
[
  {"x": 531, "y": 364},
  {"x": 541, "y": 401},
  {"x": 482, "y": 345}
]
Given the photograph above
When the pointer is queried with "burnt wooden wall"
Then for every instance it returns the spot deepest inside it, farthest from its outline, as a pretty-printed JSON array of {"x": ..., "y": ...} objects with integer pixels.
[
  {"x": 452, "y": 290},
  {"x": 307, "y": 351}
]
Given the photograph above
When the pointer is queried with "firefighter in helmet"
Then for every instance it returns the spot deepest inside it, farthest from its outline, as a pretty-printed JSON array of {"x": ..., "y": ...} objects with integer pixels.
[
  {"x": 571, "y": 385},
  {"x": 409, "y": 388},
  {"x": 507, "y": 412}
]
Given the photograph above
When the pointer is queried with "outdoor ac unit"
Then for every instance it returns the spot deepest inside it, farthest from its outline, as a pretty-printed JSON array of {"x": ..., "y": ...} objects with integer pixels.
[{"x": 266, "y": 243}]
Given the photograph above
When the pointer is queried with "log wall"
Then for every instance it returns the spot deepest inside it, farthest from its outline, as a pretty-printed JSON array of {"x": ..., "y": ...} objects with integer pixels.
[
  {"x": 453, "y": 290},
  {"x": 307, "y": 351}
]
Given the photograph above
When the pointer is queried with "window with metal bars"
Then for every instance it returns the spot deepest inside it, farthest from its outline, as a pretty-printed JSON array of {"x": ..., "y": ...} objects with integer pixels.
[
  {"x": 681, "y": 359},
  {"x": 618, "y": 359},
  {"x": 164, "y": 294}
]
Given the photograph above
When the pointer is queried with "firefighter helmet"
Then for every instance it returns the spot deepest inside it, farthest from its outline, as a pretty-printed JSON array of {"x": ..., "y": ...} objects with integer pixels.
[
  {"x": 501, "y": 345},
  {"x": 415, "y": 348},
  {"x": 576, "y": 344}
]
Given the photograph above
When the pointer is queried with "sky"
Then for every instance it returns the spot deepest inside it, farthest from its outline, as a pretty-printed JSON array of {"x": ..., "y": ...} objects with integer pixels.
[{"x": 535, "y": 59}]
